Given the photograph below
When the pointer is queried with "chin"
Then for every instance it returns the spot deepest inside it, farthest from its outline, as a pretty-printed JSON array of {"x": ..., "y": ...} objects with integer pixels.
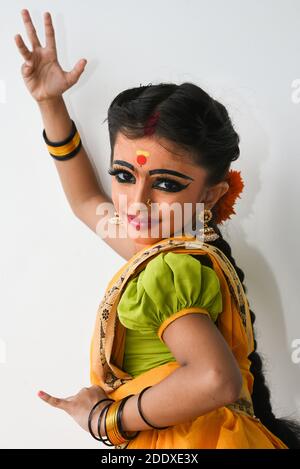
[
  {"x": 144, "y": 237},
  {"x": 146, "y": 240}
]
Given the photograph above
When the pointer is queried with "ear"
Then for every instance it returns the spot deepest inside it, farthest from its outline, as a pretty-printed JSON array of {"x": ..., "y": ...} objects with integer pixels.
[{"x": 214, "y": 193}]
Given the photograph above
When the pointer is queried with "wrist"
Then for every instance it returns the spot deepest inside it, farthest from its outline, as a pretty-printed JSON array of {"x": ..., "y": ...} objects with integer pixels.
[
  {"x": 131, "y": 418},
  {"x": 95, "y": 419},
  {"x": 49, "y": 102}
]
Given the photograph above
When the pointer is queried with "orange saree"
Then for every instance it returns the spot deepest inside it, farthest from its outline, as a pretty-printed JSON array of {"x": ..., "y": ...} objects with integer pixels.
[{"x": 232, "y": 426}]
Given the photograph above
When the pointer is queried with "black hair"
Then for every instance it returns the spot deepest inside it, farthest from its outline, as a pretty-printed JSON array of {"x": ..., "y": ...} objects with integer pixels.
[{"x": 192, "y": 120}]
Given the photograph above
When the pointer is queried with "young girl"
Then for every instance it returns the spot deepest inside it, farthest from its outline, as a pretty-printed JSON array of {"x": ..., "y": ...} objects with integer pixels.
[{"x": 173, "y": 354}]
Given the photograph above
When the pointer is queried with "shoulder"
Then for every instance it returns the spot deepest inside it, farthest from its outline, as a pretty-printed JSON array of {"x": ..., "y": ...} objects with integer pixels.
[
  {"x": 171, "y": 283},
  {"x": 180, "y": 272}
]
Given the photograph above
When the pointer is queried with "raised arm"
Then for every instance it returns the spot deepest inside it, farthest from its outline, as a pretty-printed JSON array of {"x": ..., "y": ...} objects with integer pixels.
[
  {"x": 46, "y": 82},
  {"x": 83, "y": 191},
  {"x": 76, "y": 174}
]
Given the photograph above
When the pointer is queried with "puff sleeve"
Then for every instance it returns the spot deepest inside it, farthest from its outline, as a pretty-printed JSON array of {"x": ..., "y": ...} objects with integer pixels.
[{"x": 171, "y": 285}]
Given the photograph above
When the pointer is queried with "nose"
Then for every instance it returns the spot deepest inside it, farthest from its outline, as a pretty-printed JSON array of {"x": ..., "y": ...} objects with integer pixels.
[{"x": 137, "y": 201}]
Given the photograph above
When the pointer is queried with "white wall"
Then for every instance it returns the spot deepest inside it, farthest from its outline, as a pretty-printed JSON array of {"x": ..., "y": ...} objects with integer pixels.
[{"x": 52, "y": 267}]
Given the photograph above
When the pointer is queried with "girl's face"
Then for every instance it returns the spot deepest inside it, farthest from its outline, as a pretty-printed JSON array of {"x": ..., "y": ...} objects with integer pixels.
[{"x": 147, "y": 170}]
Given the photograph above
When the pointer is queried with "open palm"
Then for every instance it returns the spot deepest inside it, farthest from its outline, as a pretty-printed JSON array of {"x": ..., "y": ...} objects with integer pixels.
[{"x": 41, "y": 71}]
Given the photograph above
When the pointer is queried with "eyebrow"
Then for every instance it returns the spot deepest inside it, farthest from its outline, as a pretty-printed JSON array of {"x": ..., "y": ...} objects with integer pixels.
[{"x": 154, "y": 171}]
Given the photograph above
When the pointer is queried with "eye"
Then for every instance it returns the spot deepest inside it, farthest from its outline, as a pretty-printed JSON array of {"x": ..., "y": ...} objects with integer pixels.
[
  {"x": 118, "y": 173},
  {"x": 170, "y": 185}
]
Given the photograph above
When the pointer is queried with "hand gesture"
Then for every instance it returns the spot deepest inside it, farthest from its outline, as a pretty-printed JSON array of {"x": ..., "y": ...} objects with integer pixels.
[
  {"x": 42, "y": 74},
  {"x": 80, "y": 405}
]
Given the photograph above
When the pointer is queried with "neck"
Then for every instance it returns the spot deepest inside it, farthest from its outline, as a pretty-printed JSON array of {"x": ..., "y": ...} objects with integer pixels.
[{"x": 139, "y": 244}]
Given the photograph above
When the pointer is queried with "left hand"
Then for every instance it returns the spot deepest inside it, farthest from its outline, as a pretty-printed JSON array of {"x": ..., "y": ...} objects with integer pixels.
[{"x": 79, "y": 405}]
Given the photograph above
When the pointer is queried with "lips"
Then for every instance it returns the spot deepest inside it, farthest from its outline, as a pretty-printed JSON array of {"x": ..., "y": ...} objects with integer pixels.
[{"x": 138, "y": 220}]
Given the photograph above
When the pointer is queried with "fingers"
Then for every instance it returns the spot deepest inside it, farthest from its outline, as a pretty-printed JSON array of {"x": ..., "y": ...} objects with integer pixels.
[
  {"x": 73, "y": 76},
  {"x": 26, "y": 69},
  {"x": 24, "y": 51},
  {"x": 54, "y": 401},
  {"x": 30, "y": 29},
  {"x": 49, "y": 31}
]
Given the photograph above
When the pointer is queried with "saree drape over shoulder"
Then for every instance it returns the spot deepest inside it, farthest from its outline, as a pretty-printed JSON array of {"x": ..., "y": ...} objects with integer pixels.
[{"x": 156, "y": 286}]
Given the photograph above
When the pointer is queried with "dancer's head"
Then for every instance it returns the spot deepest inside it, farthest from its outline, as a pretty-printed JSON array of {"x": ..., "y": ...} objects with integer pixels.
[{"x": 155, "y": 129}]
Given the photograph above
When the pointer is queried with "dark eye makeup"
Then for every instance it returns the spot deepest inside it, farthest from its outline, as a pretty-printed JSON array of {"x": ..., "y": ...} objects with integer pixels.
[{"x": 125, "y": 177}]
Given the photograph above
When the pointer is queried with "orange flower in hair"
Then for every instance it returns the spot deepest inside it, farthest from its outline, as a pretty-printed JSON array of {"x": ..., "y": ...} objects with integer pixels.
[{"x": 224, "y": 207}]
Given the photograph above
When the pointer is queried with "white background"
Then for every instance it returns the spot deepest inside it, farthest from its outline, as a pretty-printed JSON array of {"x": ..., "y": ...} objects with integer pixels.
[{"x": 54, "y": 269}]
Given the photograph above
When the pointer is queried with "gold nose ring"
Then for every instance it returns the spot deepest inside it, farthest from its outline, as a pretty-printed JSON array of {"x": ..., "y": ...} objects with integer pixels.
[{"x": 149, "y": 202}]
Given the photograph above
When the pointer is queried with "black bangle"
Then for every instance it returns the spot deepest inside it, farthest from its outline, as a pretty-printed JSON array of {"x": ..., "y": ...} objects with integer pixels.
[
  {"x": 72, "y": 142},
  {"x": 62, "y": 142},
  {"x": 140, "y": 410},
  {"x": 119, "y": 422},
  {"x": 104, "y": 440},
  {"x": 91, "y": 416}
]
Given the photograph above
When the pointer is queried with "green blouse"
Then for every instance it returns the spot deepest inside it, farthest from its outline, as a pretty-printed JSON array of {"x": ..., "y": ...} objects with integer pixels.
[{"x": 169, "y": 283}]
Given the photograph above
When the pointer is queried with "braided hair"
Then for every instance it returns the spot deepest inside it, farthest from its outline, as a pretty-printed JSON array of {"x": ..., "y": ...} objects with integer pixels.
[{"x": 191, "y": 119}]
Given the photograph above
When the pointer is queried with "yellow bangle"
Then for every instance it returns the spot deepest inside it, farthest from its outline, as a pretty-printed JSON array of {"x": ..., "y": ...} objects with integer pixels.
[
  {"x": 113, "y": 423},
  {"x": 111, "y": 426},
  {"x": 67, "y": 148}
]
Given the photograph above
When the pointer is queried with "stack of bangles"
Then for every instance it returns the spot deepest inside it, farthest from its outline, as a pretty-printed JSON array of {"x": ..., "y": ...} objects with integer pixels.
[
  {"x": 67, "y": 148},
  {"x": 114, "y": 433}
]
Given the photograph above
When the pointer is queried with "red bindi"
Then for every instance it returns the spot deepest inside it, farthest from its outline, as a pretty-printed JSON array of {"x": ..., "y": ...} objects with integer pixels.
[{"x": 142, "y": 157}]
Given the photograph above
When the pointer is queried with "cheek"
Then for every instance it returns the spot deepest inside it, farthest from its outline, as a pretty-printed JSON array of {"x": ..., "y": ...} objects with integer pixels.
[
  {"x": 193, "y": 195},
  {"x": 187, "y": 196},
  {"x": 188, "y": 199},
  {"x": 121, "y": 196},
  {"x": 116, "y": 191}
]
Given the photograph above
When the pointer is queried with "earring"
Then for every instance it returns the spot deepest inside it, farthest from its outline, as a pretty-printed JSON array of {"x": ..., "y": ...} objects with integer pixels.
[
  {"x": 207, "y": 233},
  {"x": 115, "y": 220}
]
